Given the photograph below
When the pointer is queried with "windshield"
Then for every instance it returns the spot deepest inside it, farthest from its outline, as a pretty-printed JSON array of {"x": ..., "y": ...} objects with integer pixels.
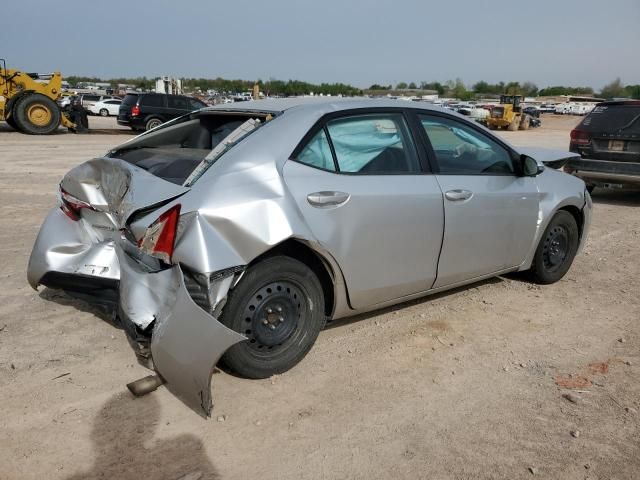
[{"x": 181, "y": 150}]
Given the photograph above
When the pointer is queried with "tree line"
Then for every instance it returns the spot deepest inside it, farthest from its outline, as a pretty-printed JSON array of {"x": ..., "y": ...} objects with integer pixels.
[
  {"x": 223, "y": 85},
  {"x": 452, "y": 88},
  {"x": 456, "y": 88}
]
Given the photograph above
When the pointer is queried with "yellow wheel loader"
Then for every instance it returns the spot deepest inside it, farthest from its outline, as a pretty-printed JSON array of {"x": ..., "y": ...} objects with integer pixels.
[
  {"x": 28, "y": 101},
  {"x": 509, "y": 114}
]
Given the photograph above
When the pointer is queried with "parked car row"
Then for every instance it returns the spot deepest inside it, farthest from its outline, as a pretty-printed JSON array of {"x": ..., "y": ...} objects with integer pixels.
[{"x": 577, "y": 108}]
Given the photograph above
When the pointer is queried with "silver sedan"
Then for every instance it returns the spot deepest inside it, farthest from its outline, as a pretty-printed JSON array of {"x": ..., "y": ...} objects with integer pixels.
[{"x": 235, "y": 232}]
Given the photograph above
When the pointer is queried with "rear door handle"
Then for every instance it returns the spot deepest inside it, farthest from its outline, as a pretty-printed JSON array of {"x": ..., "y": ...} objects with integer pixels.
[
  {"x": 327, "y": 199},
  {"x": 457, "y": 195}
]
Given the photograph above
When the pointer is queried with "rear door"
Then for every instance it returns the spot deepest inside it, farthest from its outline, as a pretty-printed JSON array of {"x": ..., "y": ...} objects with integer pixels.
[
  {"x": 490, "y": 210},
  {"x": 154, "y": 105},
  {"x": 360, "y": 185}
]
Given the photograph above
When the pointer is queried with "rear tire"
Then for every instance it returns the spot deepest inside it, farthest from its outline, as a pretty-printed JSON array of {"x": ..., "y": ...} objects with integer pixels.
[
  {"x": 104, "y": 112},
  {"x": 153, "y": 123},
  {"x": 36, "y": 114},
  {"x": 556, "y": 250},
  {"x": 279, "y": 306}
]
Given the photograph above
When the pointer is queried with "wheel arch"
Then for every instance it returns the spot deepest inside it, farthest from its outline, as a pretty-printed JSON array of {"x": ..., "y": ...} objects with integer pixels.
[
  {"x": 13, "y": 100},
  {"x": 578, "y": 216},
  {"x": 301, "y": 251}
]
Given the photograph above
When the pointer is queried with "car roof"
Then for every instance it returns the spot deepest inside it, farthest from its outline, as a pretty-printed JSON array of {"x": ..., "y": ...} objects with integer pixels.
[{"x": 328, "y": 104}]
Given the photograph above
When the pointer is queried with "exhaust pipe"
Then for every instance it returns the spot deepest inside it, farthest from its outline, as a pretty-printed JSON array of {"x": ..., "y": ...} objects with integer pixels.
[{"x": 145, "y": 385}]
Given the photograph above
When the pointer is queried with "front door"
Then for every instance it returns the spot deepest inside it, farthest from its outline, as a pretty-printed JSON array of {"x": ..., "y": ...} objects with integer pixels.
[
  {"x": 490, "y": 209},
  {"x": 360, "y": 187}
]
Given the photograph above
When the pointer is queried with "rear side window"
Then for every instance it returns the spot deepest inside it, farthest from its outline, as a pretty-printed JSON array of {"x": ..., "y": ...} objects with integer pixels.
[
  {"x": 373, "y": 144},
  {"x": 90, "y": 98},
  {"x": 317, "y": 153},
  {"x": 130, "y": 100},
  {"x": 370, "y": 144},
  {"x": 152, "y": 101},
  {"x": 613, "y": 118}
]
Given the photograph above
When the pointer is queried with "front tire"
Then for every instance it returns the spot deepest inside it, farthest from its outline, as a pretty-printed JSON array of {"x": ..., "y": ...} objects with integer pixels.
[
  {"x": 279, "y": 306},
  {"x": 556, "y": 250},
  {"x": 104, "y": 112}
]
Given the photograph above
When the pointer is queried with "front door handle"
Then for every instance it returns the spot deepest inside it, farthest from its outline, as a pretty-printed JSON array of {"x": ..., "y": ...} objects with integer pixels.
[
  {"x": 457, "y": 195},
  {"x": 327, "y": 199}
]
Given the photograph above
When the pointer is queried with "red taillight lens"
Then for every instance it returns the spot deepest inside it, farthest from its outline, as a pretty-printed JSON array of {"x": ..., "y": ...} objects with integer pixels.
[
  {"x": 71, "y": 205},
  {"x": 135, "y": 111},
  {"x": 580, "y": 137},
  {"x": 160, "y": 237}
]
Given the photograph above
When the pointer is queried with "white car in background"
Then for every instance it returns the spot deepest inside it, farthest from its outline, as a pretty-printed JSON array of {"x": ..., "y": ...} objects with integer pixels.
[
  {"x": 581, "y": 108},
  {"x": 563, "y": 108},
  {"x": 105, "y": 108}
]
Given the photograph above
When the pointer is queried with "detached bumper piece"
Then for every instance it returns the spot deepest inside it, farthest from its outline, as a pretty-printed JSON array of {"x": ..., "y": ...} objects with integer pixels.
[{"x": 186, "y": 342}]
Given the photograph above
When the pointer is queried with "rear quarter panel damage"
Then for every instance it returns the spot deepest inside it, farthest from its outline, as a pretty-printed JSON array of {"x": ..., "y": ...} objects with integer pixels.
[{"x": 186, "y": 342}]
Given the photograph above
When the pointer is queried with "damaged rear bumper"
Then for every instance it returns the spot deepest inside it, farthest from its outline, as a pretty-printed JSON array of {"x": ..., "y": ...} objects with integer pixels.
[{"x": 165, "y": 325}]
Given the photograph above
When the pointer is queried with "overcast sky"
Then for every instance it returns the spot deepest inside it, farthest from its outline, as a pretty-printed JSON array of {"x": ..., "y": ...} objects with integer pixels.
[{"x": 549, "y": 42}]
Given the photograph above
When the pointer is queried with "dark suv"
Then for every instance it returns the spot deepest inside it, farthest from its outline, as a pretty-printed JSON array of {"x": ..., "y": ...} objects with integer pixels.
[
  {"x": 608, "y": 140},
  {"x": 144, "y": 111}
]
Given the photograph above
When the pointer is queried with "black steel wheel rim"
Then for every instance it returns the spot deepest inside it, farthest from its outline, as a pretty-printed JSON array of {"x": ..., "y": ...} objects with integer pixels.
[
  {"x": 556, "y": 248},
  {"x": 272, "y": 315}
]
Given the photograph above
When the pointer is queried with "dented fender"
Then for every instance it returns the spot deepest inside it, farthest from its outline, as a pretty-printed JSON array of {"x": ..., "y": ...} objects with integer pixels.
[{"x": 186, "y": 341}]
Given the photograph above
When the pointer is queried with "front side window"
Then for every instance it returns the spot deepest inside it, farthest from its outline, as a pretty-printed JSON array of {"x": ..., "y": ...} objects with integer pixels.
[
  {"x": 196, "y": 104},
  {"x": 462, "y": 150},
  {"x": 177, "y": 102}
]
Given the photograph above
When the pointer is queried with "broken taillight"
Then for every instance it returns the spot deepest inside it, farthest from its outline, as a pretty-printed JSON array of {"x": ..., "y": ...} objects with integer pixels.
[
  {"x": 580, "y": 137},
  {"x": 71, "y": 205},
  {"x": 135, "y": 111},
  {"x": 159, "y": 239}
]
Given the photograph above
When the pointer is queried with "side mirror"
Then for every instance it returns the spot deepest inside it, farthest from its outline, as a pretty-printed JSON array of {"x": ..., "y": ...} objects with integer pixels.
[{"x": 530, "y": 167}]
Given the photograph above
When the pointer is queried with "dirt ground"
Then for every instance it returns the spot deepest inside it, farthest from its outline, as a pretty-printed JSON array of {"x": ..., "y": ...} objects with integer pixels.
[{"x": 462, "y": 385}]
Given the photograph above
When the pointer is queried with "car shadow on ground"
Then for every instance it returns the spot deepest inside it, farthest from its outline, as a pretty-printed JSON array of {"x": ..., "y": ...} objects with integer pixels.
[
  {"x": 105, "y": 310},
  {"x": 343, "y": 322},
  {"x": 125, "y": 447},
  {"x": 623, "y": 197}
]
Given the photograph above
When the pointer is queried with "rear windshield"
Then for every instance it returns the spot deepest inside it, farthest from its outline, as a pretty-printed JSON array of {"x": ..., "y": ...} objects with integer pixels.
[
  {"x": 130, "y": 99},
  {"x": 180, "y": 151},
  {"x": 612, "y": 119}
]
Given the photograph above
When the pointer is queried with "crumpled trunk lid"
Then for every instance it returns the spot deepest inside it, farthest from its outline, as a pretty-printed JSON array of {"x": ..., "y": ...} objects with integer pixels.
[{"x": 118, "y": 188}]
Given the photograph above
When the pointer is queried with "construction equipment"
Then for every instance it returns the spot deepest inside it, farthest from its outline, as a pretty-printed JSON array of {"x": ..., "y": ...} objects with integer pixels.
[
  {"x": 28, "y": 101},
  {"x": 509, "y": 114}
]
